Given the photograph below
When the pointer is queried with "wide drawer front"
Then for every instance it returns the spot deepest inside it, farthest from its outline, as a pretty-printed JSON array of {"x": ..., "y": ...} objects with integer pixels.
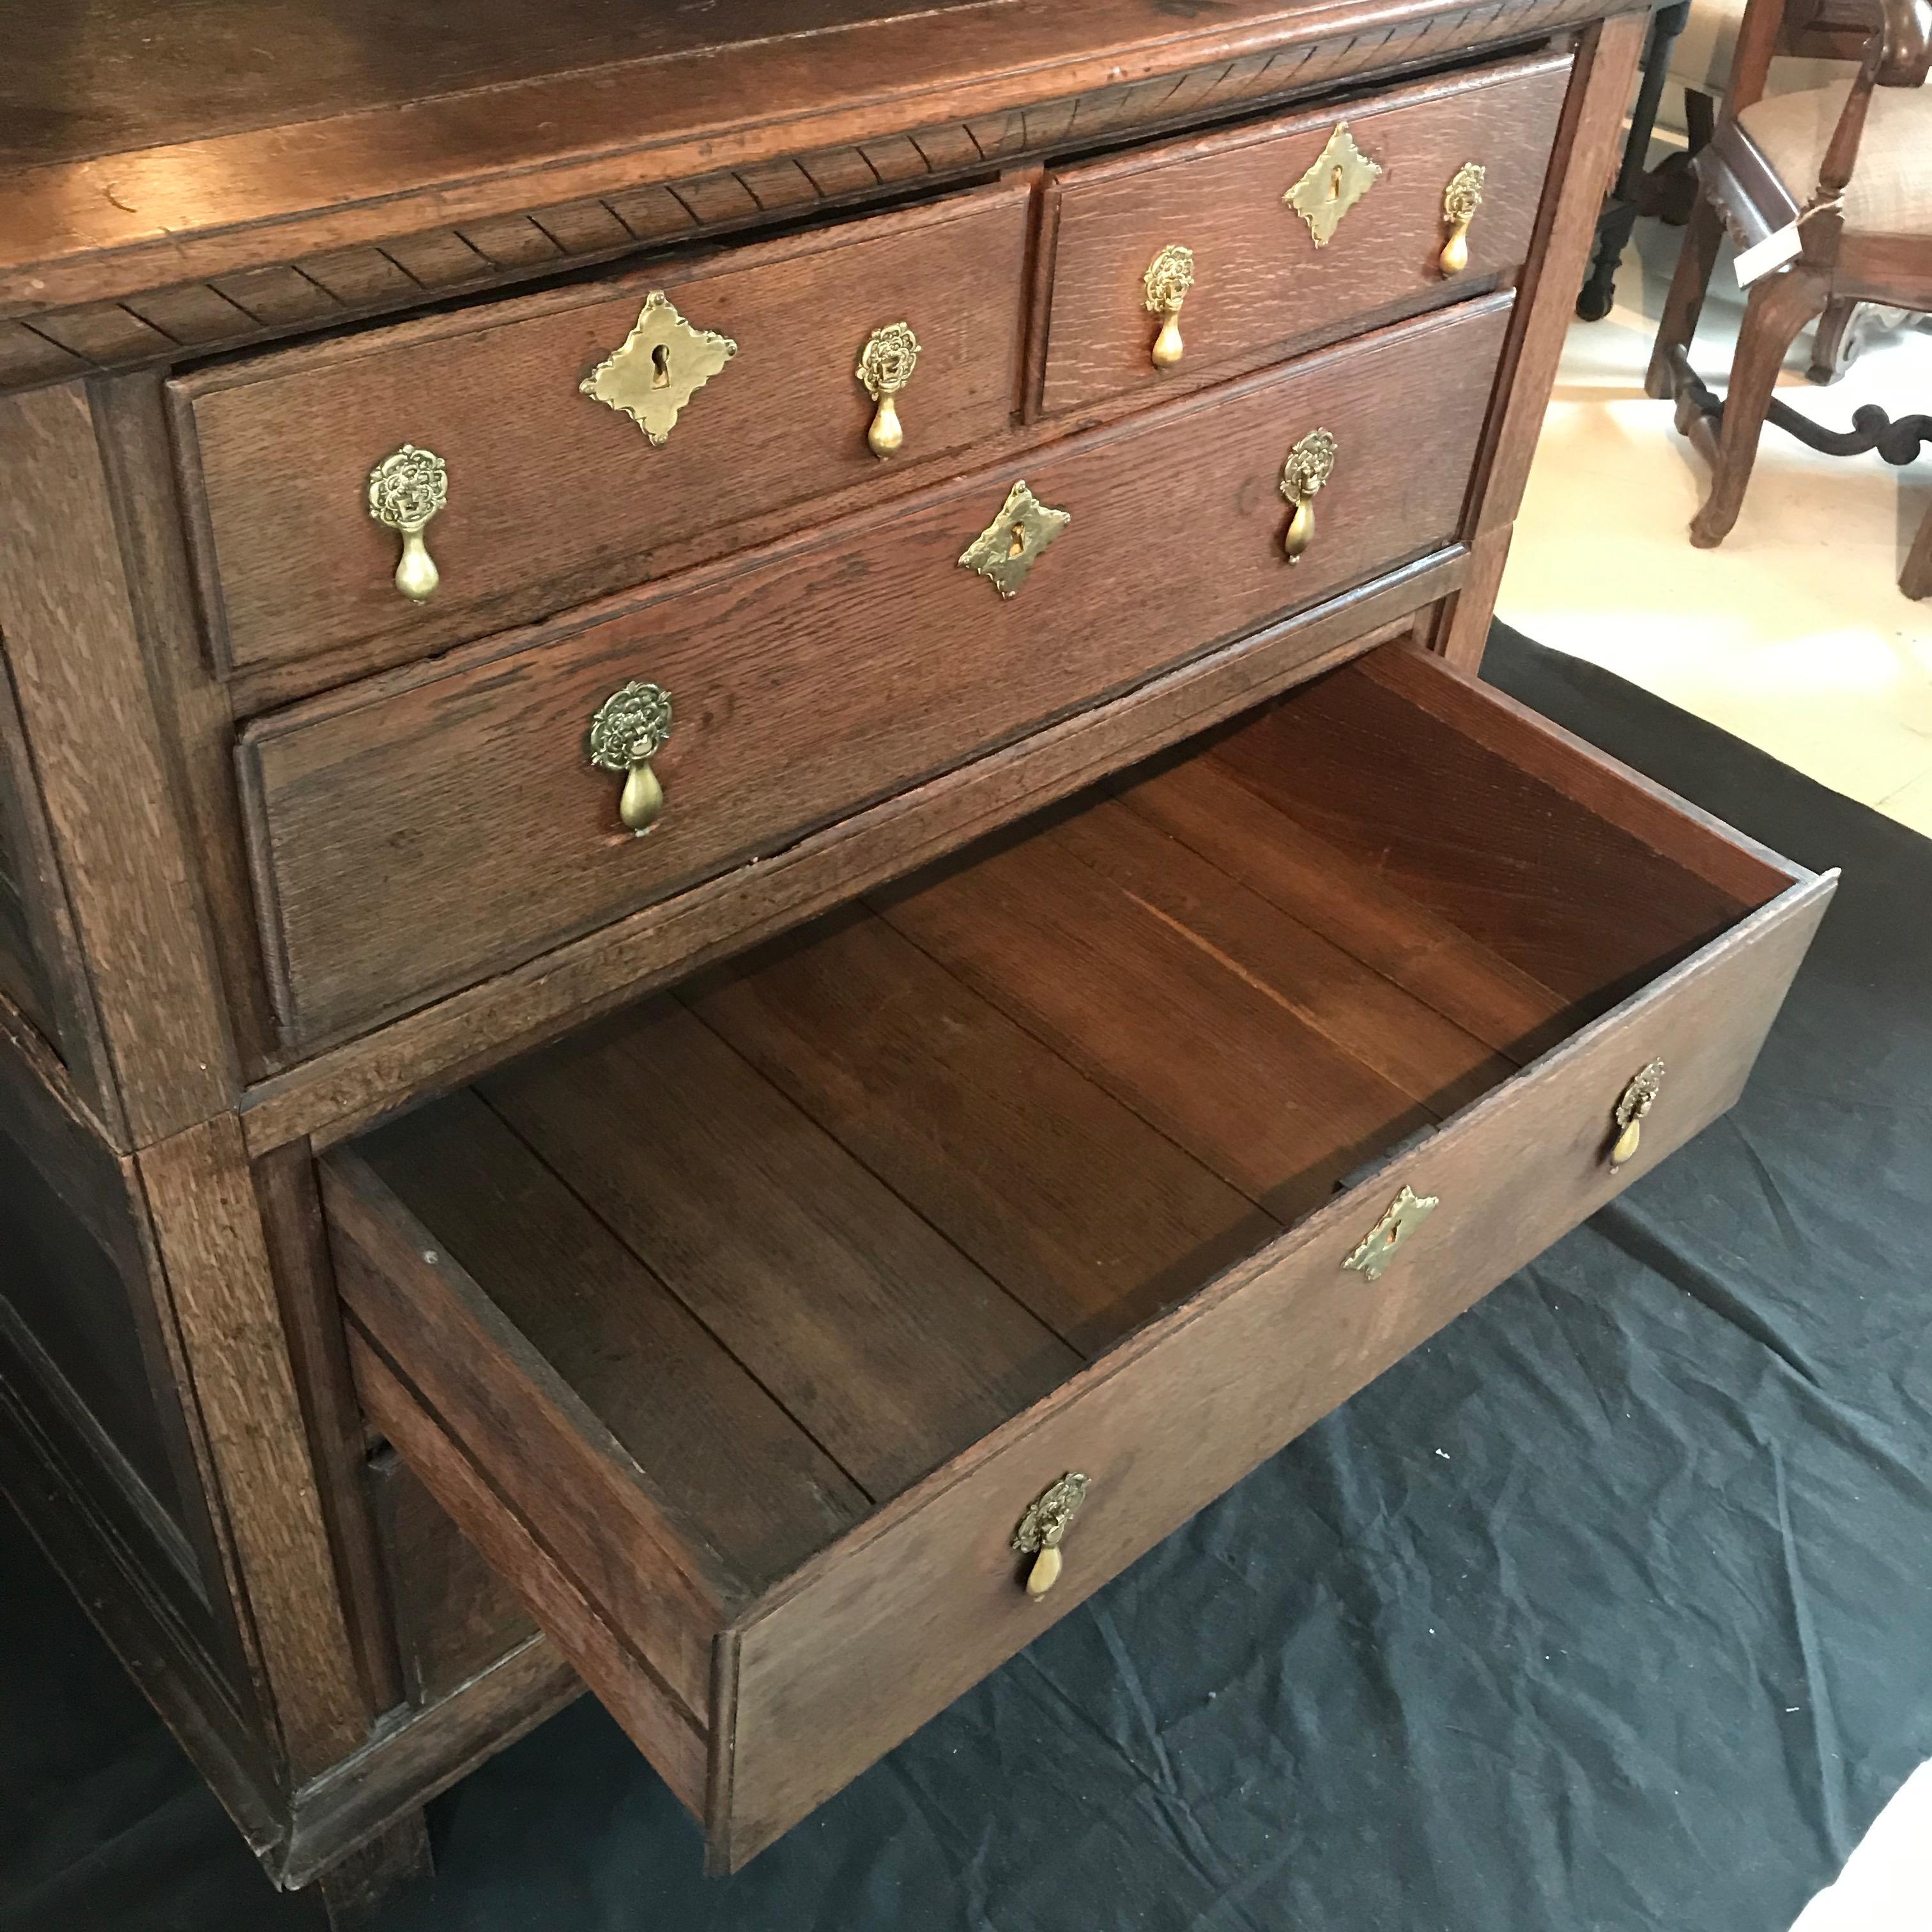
[
  {"x": 1268, "y": 277},
  {"x": 745, "y": 1333},
  {"x": 551, "y": 496},
  {"x": 412, "y": 834}
]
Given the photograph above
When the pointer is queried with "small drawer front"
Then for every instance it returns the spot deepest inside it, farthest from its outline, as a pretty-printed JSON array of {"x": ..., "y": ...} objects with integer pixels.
[
  {"x": 911, "y": 1610},
  {"x": 409, "y": 839},
  {"x": 551, "y": 496},
  {"x": 1262, "y": 284}
]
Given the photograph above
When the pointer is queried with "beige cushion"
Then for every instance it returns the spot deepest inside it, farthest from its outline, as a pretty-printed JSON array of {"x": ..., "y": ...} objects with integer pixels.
[
  {"x": 1701, "y": 56},
  {"x": 1891, "y": 190}
]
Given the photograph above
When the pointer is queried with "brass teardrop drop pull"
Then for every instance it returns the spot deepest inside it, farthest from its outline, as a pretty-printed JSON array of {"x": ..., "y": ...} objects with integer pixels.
[
  {"x": 885, "y": 365},
  {"x": 406, "y": 489},
  {"x": 1168, "y": 277},
  {"x": 1460, "y": 200},
  {"x": 1309, "y": 465},
  {"x": 1637, "y": 1099},
  {"x": 630, "y": 729},
  {"x": 1042, "y": 1527}
]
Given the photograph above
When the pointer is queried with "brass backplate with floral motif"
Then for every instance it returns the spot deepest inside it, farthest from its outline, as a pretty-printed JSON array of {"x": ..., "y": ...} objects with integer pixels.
[
  {"x": 1046, "y": 1522},
  {"x": 1341, "y": 176},
  {"x": 660, "y": 365}
]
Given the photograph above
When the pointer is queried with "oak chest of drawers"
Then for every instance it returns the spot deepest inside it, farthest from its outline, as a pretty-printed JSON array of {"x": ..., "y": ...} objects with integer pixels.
[{"x": 753, "y": 897}]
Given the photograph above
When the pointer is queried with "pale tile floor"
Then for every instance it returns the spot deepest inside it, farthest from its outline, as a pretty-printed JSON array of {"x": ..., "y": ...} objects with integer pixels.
[{"x": 1793, "y": 633}]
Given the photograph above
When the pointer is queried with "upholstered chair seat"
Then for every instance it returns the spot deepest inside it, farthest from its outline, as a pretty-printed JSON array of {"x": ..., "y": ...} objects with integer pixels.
[{"x": 1890, "y": 192}]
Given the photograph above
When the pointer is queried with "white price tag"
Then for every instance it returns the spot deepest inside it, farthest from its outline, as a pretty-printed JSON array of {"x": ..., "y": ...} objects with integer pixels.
[{"x": 1773, "y": 252}]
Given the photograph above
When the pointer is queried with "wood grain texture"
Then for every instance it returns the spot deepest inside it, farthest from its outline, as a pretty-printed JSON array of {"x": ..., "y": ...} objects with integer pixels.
[
  {"x": 337, "y": 1431},
  {"x": 354, "y": 1889},
  {"x": 454, "y": 1616},
  {"x": 890, "y": 1349},
  {"x": 805, "y": 1106},
  {"x": 555, "y": 498},
  {"x": 887, "y": 1628},
  {"x": 421, "y": 1754},
  {"x": 1202, "y": 803},
  {"x": 1262, "y": 287},
  {"x": 1525, "y": 869},
  {"x": 861, "y": 662},
  {"x": 83, "y": 694},
  {"x": 209, "y": 1231},
  {"x": 992, "y": 1137},
  {"x": 345, "y": 1089},
  {"x": 622, "y": 1472},
  {"x": 194, "y": 709},
  {"x": 369, "y": 231},
  {"x": 662, "y": 1727},
  {"x": 43, "y": 973}
]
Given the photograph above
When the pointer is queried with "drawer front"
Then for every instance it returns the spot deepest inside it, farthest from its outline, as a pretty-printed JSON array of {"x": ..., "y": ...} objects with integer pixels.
[
  {"x": 886, "y": 1629},
  {"x": 410, "y": 835},
  {"x": 553, "y": 497},
  {"x": 1262, "y": 285}
]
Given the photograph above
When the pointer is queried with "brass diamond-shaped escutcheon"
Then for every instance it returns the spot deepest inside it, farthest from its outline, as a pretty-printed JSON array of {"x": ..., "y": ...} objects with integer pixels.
[
  {"x": 1006, "y": 550},
  {"x": 1342, "y": 175},
  {"x": 663, "y": 363}
]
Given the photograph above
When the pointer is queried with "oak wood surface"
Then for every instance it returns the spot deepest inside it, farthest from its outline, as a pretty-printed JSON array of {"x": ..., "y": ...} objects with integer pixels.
[
  {"x": 291, "y": 1225},
  {"x": 411, "y": 834},
  {"x": 454, "y": 1616},
  {"x": 421, "y": 1754},
  {"x": 889, "y": 1348},
  {"x": 84, "y": 230},
  {"x": 981, "y": 1127},
  {"x": 1078, "y": 928},
  {"x": 343, "y": 1090},
  {"x": 82, "y": 691},
  {"x": 195, "y": 711},
  {"x": 889, "y": 1627},
  {"x": 663, "y": 1728},
  {"x": 208, "y": 1229},
  {"x": 1261, "y": 282},
  {"x": 1202, "y": 803},
  {"x": 1524, "y": 869},
  {"x": 553, "y": 498}
]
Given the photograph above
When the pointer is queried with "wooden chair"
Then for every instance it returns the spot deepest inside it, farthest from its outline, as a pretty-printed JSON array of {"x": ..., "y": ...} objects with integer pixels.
[{"x": 1851, "y": 163}]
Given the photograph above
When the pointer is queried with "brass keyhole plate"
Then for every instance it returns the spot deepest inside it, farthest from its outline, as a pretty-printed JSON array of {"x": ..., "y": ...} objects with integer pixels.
[
  {"x": 1384, "y": 1241},
  {"x": 1005, "y": 552},
  {"x": 1341, "y": 175},
  {"x": 659, "y": 367}
]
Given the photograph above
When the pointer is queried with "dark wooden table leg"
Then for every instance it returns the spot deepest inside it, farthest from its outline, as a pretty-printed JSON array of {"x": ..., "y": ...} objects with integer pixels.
[
  {"x": 352, "y": 1891},
  {"x": 1627, "y": 199},
  {"x": 1916, "y": 579}
]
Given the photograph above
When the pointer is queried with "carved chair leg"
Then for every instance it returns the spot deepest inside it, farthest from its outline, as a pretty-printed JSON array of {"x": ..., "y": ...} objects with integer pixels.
[
  {"x": 1695, "y": 261},
  {"x": 1916, "y": 579},
  {"x": 1779, "y": 306},
  {"x": 1835, "y": 346},
  {"x": 354, "y": 1890}
]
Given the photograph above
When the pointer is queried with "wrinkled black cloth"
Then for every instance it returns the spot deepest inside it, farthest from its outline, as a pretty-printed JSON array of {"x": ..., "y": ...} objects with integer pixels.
[{"x": 1610, "y": 1608}]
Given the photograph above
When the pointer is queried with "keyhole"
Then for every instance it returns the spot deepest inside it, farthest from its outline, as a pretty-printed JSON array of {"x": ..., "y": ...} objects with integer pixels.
[
  {"x": 661, "y": 366},
  {"x": 1335, "y": 185},
  {"x": 1017, "y": 547}
]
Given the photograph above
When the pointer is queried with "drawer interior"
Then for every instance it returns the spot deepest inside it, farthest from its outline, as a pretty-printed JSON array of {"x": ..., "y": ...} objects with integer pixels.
[{"x": 799, "y": 1232}]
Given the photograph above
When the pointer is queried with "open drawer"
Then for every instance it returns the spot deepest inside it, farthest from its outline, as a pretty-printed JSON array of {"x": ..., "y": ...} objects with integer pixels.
[{"x": 743, "y": 1333}]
